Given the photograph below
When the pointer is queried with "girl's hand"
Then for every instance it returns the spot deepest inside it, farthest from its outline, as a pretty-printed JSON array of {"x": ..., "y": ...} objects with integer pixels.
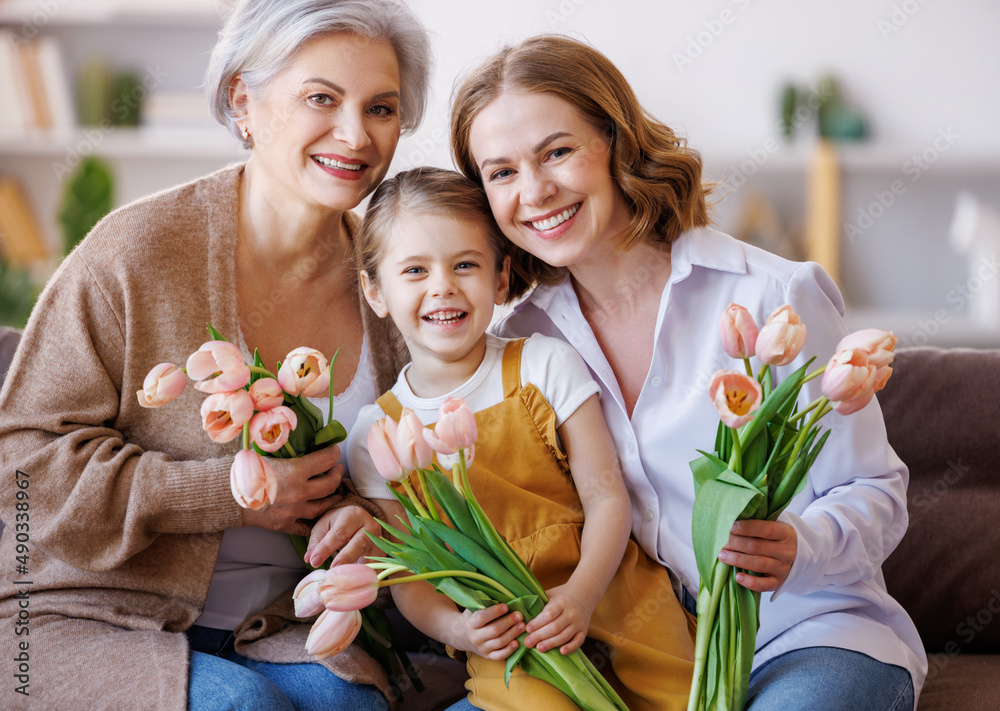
[
  {"x": 763, "y": 547},
  {"x": 490, "y": 633},
  {"x": 341, "y": 529},
  {"x": 562, "y": 623},
  {"x": 306, "y": 487}
]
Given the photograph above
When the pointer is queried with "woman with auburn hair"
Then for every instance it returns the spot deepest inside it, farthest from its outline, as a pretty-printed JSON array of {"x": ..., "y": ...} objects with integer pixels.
[
  {"x": 605, "y": 211},
  {"x": 150, "y": 587}
]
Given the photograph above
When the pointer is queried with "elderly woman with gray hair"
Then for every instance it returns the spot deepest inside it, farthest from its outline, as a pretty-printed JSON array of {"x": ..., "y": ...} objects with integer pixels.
[{"x": 147, "y": 585}]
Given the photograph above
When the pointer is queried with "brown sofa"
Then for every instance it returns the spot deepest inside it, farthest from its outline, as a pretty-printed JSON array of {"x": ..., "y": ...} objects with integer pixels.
[{"x": 941, "y": 411}]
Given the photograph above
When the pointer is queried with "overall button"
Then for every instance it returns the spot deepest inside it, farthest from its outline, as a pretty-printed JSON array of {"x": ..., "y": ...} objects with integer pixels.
[
  {"x": 631, "y": 447},
  {"x": 649, "y": 515},
  {"x": 655, "y": 381}
]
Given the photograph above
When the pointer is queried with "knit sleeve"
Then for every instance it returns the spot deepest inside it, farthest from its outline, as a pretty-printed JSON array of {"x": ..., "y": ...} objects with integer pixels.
[{"x": 100, "y": 492}]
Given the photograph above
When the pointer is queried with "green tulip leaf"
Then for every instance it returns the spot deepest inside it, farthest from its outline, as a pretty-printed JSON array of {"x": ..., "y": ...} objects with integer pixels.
[
  {"x": 214, "y": 333},
  {"x": 718, "y": 504},
  {"x": 332, "y": 433},
  {"x": 475, "y": 554}
]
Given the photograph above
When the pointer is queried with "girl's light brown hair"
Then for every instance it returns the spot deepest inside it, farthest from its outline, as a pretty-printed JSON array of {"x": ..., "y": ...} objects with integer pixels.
[
  {"x": 657, "y": 173},
  {"x": 419, "y": 191}
]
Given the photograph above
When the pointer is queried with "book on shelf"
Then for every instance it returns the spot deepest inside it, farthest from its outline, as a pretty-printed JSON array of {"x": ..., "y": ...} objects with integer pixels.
[
  {"x": 21, "y": 240},
  {"x": 34, "y": 89}
]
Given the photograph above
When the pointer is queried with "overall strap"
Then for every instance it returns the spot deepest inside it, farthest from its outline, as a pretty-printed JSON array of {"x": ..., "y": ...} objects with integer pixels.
[
  {"x": 512, "y": 367},
  {"x": 390, "y": 405}
]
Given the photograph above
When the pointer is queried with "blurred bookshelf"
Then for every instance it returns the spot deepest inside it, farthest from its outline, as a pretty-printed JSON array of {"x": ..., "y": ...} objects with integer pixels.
[{"x": 63, "y": 66}]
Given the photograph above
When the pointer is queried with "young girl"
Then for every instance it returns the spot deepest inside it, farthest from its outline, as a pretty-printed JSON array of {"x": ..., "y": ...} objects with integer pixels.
[{"x": 545, "y": 469}]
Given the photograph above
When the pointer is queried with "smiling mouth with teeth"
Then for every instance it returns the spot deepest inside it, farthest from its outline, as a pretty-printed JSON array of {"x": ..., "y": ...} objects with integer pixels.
[
  {"x": 445, "y": 317},
  {"x": 330, "y": 163},
  {"x": 555, "y": 220}
]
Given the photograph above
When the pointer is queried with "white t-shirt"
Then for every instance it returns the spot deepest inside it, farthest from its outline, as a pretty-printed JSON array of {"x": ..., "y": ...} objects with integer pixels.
[
  {"x": 255, "y": 566},
  {"x": 551, "y": 365}
]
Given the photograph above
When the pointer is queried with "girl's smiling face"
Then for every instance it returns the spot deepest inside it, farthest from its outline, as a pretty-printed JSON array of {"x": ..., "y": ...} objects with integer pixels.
[
  {"x": 438, "y": 281},
  {"x": 546, "y": 171},
  {"x": 326, "y": 126}
]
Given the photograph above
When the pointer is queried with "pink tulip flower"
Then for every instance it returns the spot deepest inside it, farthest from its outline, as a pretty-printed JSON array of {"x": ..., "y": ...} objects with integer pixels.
[
  {"x": 411, "y": 447},
  {"x": 382, "y": 449},
  {"x": 332, "y": 633},
  {"x": 266, "y": 393},
  {"x": 269, "y": 430},
  {"x": 448, "y": 460},
  {"x": 252, "y": 480},
  {"x": 163, "y": 384},
  {"x": 348, "y": 587},
  {"x": 224, "y": 414},
  {"x": 219, "y": 366},
  {"x": 305, "y": 372},
  {"x": 306, "y": 596},
  {"x": 736, "y": 396},
  {"x": 738, "y": 332},
  {"x": 880, "y": 346},
  {"x": 456, "y": 425},
  {"x": 882, "y": 376},
  {"x": 849, "y": 381},
  {"x": 782, "y": 337}
]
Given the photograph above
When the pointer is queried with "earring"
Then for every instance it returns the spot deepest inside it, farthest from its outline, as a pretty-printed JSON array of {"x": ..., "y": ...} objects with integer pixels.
[{"x": 246, "y": 134}]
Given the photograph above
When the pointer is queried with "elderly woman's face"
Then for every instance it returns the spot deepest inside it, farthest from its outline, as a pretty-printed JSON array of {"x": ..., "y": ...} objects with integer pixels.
[
  {"x": 326, "y": 127},
  {"x": 546, "y": 170}
]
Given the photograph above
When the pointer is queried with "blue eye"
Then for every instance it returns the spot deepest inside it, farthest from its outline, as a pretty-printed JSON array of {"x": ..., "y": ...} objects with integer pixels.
[
  {"x": 559, "y": 152},
  {"x": 502, "y": 173}
]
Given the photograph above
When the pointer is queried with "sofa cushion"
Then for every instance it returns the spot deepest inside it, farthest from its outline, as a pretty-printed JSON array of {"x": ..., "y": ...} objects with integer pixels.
[{"x": 940, "y": 409}]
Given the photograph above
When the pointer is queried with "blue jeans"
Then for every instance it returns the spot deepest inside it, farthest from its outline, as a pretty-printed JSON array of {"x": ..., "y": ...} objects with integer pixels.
[
  {"x": 817, "y": 679},
  {"x": 220, "y": 679},
  {"x": 822, "y": 678}
]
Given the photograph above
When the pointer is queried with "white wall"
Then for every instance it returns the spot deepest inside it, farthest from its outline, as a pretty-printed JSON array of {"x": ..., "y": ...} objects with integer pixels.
[
  {"x": 913, "y": 65},
  {"x": 918, "y": 69}
]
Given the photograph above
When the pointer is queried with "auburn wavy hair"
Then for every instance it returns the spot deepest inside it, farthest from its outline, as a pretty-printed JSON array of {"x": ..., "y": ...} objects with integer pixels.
[{"x": 658, "y": 174}]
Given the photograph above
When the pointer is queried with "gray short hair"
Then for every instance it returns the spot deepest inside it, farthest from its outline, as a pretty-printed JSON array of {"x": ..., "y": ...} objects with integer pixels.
[{"x": 260, "y": 36}]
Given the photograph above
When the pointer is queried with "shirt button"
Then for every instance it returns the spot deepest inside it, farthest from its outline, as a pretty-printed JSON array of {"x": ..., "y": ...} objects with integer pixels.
[
  {"x": 631, "y": 447},
  {"x": 649, "y": 515},
  {"x": 655, "y": 381}
]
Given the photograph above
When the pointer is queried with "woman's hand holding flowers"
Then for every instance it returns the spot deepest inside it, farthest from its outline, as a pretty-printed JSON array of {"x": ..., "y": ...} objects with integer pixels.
[
  {"x": 766, "y": 548},
  {"x": 305, "y": 489}
]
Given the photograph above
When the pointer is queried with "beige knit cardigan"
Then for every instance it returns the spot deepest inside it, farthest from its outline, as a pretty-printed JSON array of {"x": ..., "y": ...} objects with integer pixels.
[{"x": 125, "y": 506}]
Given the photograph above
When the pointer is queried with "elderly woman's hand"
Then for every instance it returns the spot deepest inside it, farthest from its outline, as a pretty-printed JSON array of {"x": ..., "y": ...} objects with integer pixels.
[
  {"x": 342, "y": 529},
  {"x": 306, "y": 491}
]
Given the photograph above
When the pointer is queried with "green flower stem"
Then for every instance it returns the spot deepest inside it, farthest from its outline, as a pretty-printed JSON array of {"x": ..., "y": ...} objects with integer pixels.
[
  {"x": 749, "y": 368},
  {"x": 287, "y": 449},
  {"x": 736, "y": 460},
  {"x": 450, "y": 574},
  {"x": 423, "y": 487},
  {"x": 815, "y": 374},
  {"x": 246, "y": 435},
  {"x": 391, "y": 570},
  {"x": 262, "y": 371},
  {"x": 802, "y": 413},
  {"x": 414, "y": 499},
  {"x": 706, "y": 624},
  {"x": 822, "y": 410},
  {"x": 763, "y": 371}
]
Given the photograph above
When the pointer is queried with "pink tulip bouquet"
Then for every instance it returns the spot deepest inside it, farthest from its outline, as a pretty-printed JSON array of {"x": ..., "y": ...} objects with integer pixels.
[
  {"x": 274, "y": 418},
  {"x": 448, "y": 541},
  {"x": 764, "y": 448},
  {"x": 270, "y": 412}
]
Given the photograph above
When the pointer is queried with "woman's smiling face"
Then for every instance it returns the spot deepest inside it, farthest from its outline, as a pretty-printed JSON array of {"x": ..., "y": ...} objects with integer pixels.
[
  {"x": 546, "y": 171},
  {"x": 326, "y": 127}
]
